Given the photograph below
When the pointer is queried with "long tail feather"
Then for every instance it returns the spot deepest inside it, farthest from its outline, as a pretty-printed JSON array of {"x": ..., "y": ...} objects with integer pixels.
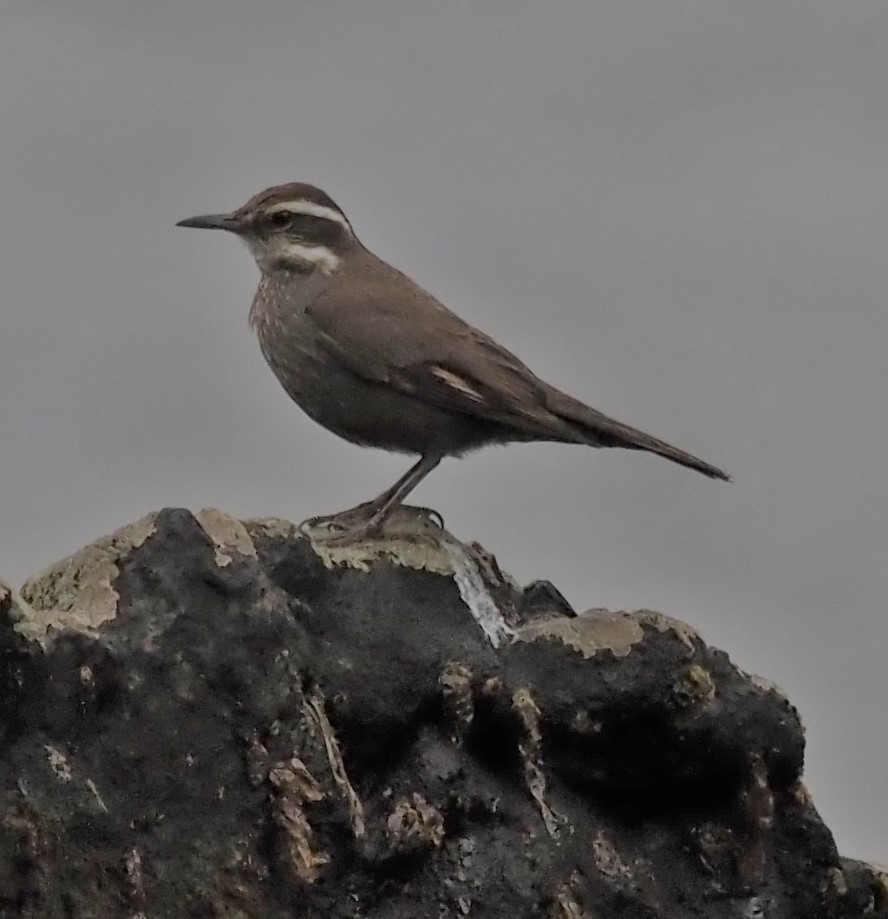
[{"x": 607, "y": 432}]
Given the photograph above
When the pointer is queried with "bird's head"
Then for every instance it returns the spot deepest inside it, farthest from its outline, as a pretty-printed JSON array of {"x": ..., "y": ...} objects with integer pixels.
[{"x": 294, "y": 227}]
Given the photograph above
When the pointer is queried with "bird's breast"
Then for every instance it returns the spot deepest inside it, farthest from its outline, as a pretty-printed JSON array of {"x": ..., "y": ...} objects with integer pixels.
[{"x": 285, "y": 335}]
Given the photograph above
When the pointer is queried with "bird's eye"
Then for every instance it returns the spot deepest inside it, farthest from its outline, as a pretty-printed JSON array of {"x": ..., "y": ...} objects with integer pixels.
[{"x": 281, "y": 219}]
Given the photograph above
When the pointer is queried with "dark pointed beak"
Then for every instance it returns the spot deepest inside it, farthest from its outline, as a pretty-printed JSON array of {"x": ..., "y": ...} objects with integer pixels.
[{"x": 214, "y": 222}]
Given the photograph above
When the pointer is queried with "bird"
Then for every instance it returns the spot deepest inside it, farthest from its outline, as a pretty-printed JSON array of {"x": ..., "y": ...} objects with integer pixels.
[{"x": 369, "y": 354}]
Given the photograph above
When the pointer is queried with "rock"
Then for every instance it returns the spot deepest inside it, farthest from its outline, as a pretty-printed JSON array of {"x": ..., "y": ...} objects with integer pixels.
[{"x": 203, "y": 717}]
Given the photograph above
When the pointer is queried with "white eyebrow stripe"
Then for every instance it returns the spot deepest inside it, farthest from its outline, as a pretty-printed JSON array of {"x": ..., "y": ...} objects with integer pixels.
[{"x": 311, "y": 209}]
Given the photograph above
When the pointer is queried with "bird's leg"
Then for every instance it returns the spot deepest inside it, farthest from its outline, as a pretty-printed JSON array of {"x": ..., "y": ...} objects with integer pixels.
[
  {"x": 395, "y": 496},
  {"x": 362, "y": 512},
  {"x": 373, "y": 514}
]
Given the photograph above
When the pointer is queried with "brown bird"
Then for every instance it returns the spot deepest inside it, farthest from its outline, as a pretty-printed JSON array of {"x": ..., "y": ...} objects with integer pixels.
[{"x": 374, "y": 358}]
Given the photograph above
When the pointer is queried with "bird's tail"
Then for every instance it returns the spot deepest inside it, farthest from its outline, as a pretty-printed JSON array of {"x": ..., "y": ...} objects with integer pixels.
[{"x": 600, "y": 431}]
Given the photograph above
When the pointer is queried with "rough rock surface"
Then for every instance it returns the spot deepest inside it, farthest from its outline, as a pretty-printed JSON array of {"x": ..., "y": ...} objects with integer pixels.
[{"x": 203, "y": 717}]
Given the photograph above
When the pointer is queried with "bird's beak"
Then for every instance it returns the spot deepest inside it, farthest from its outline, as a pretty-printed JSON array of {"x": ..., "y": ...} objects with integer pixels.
[{"x": 229, "y": 222}]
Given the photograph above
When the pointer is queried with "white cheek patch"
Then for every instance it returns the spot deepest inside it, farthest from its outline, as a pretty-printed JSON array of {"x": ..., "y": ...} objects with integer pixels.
[
  {"x": 320, "y": 256},
  {"x": 311, "y": 209},
  {"x": 274, "y": 253}
]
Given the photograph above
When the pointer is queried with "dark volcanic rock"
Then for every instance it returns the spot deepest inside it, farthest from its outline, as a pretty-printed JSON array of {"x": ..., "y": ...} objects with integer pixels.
[{"x": 207, "y": 718}]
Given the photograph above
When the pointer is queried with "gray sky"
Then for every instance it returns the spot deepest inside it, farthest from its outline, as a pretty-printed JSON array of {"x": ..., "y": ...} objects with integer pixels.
[{"x": 677, "y": 211}]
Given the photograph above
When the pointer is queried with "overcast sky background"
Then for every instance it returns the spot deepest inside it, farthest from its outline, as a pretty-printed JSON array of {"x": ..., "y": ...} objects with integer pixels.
[{"x": 677, "y": 211}]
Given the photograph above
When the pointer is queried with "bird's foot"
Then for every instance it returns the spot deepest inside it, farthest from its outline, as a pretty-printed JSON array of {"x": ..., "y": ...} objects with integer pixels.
[
  {"x": 412, "y": 512},
  {"x": 360, "y": 525},
  {"x": 343, "y": 520},
  {"x": 348, "y": 536}
]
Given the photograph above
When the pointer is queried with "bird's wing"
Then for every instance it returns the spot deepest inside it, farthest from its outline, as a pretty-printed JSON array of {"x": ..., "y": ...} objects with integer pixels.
[
  {"x": 392, "y": 332},
  {"x": 398, "y": 335}
]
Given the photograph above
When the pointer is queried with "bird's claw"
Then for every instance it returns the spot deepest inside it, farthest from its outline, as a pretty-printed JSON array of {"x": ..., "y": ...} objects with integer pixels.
[
  {"x": 343, "y": 521},
  {"x": 358, "y": 524},
  {"x": 432, "y": 516}
]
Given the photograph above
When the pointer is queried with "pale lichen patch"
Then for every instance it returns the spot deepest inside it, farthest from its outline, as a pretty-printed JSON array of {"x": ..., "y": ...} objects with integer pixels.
[
  {"x": 274, "y": 527},
  {"x": 76, "y": 592},
  {"x": 135, "y": 882},
  {"x": 410, "y": 540},
  {"x": 227, "y": 533},
  {"x": 58, "y": 762},
  {"x": 608, "y": 860},
  {"x": 602, "y": 630},
  {"x": 94, "y": 791},
  {"x": 800, "y": 794},
  {"x": 566, "y": 905},
  {"x": 316, "y": 717},
  {"x": 530, "y": 747},
  {"x": 757, "y": 805},
  {"x": 18, "y": 610},
  {"x": 295, "y": 788},
  {"x": 752, "y": 908},
  {"x": 663, "y": 623},
  {"x": 836, "y": 882},
  {"x": 588, "y": 633},
  {"x": 695, "y": 687},
  {"x": 772, "y": 688},
  {"x": 415, "y": 825},
  {"x": 455, "y": 683},
  {"x": 879, "y": 877},
  {"x": 764, "y": 684}
]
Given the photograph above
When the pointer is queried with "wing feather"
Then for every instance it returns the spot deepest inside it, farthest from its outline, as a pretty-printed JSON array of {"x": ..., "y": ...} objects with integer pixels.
[{"x": 397, "y": 334}]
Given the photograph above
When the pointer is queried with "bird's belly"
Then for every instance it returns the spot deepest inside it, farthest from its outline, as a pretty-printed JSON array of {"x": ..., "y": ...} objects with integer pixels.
[{"x": 369, "y": 413}]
